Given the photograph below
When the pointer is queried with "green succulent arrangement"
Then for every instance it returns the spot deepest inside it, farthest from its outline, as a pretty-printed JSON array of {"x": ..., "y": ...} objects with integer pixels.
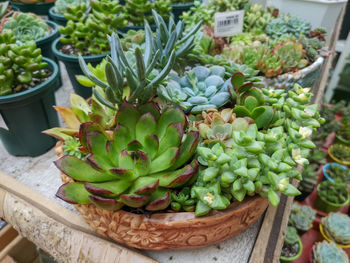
[
  {"x": 26, "y": 27},
  {"x": 86, "y": 31},
  {"x": 335, "y": 193},
  {"x": 341, "y": 152},
  {"x": 324, "y": 252},
  {"x": 133, "y": 38},
  {"x": 287, "y": 24},
  {"x": 301, "y": 217},
  {"x": 62, "y": 5},
  {"x": 336, "y": 226},
  {"x": 256, "y": 19},
  {"x": 339, "y": 174},
  {"x": 200, "y": 89},
  {"x": 19, "y": 65}
]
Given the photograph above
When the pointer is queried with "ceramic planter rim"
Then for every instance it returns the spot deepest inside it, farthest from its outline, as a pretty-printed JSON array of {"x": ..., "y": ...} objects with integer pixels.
[
  {"x": 53, "y": 13},
  {"x": 34, "y": 4},
  {"x": 335, "y": 158},
  {"x": 54, "y": 33},
  {"x": 297, "y": 255},
  {"x": 328, "y": 165},
  {"x": 32, "y": 92},
  {"x": 69, "y": 58},
  {"x": 330, "y": 203},
  {"x": 324, "y": 235}
]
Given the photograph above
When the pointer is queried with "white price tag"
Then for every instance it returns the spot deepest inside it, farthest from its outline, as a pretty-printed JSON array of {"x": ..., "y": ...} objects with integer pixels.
[{"x": 228, "y": 23}]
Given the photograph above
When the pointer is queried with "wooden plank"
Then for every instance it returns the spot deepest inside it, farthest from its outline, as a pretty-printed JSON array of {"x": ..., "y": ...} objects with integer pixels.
[
  {"x": 23, "y": 252},
  {"x": 7, "y": 234},
  {"x": 9, "y": 247},
  {"x": 67, "y": 237}
]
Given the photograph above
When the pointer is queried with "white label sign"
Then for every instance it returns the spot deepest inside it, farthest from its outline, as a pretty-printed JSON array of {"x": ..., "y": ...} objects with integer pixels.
[{"x": 228, "y": 23}]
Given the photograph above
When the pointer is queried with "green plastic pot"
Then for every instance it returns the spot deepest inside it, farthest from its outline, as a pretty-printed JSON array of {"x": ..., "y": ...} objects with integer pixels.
[
  {"x": 178, "y": 9},
  {"x": 41, "y": 8},
  {"x": 27, "y": 114},
  {"x": 285, "y": 259},
  {"x": 73, "y": 67},
  {"x": 327, "y": 206},
  {"x": 58, "y": 18}
]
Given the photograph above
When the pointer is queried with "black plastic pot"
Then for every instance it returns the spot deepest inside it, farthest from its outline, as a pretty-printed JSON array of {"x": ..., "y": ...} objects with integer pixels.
[
  {"x": 41, "y": 8},
  {"x": 136, "y": 28},
  {"x": 178, "y": 9},
  {"x": 59, "y": 19},
  {"x": 73, "y": 67},
  {"x": 27, "y": 114}
]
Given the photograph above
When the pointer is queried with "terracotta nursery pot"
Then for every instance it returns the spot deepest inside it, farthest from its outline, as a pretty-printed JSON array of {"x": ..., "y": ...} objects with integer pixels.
[{"x": 162, "y": 231}]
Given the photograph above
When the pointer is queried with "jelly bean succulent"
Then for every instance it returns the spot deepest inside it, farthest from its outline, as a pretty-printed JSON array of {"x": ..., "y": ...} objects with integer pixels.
[
  {"x": 182, "y": 201},
  {"x": 62, "y": 5},
  {"x": 336, "y": 226},
  {"x": 200, "y": 89},
  {"x": 26, "y": 27},
  {"x": 335, "y": 193},
  {"x": 19, "y": 65},
  {"x": 86, "y": 31},
  {"x": 137, "y": 164},
  {"x": 324, "y": 252},
  {"x": 302, "y": 217}
]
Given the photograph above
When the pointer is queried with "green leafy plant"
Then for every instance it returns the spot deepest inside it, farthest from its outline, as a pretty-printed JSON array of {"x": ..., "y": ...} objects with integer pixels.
[
  {"x": 337, "y": 227},
  {"x": 200, "y": 89},
  {"x": 19, "y": 65},
  {"x": 339, "y": 174},
  {"x": 334, "y": 193},
  {"x": 61, "y": 5},
  {"x": 287, "y": 24},
  {"x": 137, "y": 164},
  {"x": 86, "y": 32},
  {"x": 291, "y": 235},
  {"x": 182, "y": 201},
  {"x": 256, "y": 19},
  {"x": 301, "y": 217},
  {"x": 324, "y": 252},
  {"x": 26, "y": 27},
  {"x": 341, "y": 152},
  {"x": 133, "y": 38}
]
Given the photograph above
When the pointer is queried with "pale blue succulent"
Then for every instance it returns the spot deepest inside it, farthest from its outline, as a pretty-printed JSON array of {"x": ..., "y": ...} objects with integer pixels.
[{"x": 200, "y": 89}]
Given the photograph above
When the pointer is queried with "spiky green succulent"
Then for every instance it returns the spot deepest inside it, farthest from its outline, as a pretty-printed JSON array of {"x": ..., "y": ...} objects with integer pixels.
[
  {"x": 200, "y": 89},
  {"x": 287, "y": 24},
  {"x": 324, "y": 252},
  {"x": 302, "y": 217},
  {"x": 137, "y": 164},
  {"x": 337, "y": 227},
  {"x": 61, "y": 5},
  {"x": 26, "y": 27},
  {"x": 19, "y": 65}
]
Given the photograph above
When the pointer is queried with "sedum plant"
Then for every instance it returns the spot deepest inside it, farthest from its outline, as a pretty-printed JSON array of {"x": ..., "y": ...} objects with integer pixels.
[
  {"x": 19, "y": 65},
  {"x": 26, "y": 27},
  {"x": 200, "y": 89},
  {"x": 337, "y": 227},
  {"x": 339, "y": 173},
  {"x": 182, "y": 200},
  {"x": 137, "y": 164},
  {"x": 62, "y": 5},
  {"x": 301, "y": 217},
  {"x": 324, "y": 252},
  {"x": 335, "y": 193}
]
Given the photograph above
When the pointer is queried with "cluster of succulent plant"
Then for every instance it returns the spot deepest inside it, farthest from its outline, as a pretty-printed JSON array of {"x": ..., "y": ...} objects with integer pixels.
[
  {"x": 182, "y": 201},
  {"x": 287, "y": 25},
  {"x": 19, "y": 65},
  {"x": 87, "y": 32},
  {"x": 137, "y": 11},
  {"x": 132, "y": 38},
  {"x": 26, "y": 26},
  {"x": 301, "y": 217},
  {"x": 291, "y": 235},
  {"x": 311, "y": 46},
  {"x": 341, "y": 152},
  {"x": 324, "y": 252},
  {"x": 62, "y": 5},
  {"x": 309, "y": 181},
  {"x": 339, "y": 173},
  {"x": 319, "y": 33},
  {"x": 291, "y": 243},
  {"x": 336, "y": 226},
  {"x": 335, "y": 193},
  {"x": 256, "y": 19},
  {"x": 199, "y": 89},
  {"x": 137, "y": 164}
]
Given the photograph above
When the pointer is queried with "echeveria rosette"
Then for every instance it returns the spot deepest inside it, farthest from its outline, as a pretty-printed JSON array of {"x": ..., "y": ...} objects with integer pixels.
[
  {"x": 137, "y": 164},
  {"x": 337, "y": 227},
  {"x": 302, "y": 217},
  {"x": 325, "y": 252},
  {"x": 26, "y": 27},
  {"x": 287, "y": 24},
  {"x": 200, "y": 89}
]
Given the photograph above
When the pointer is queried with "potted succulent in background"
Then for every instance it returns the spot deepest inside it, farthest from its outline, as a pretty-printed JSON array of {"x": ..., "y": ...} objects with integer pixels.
[
  {"x": 85, "y": 34},
  {"x": 28, "y": 83},
  {"x": 28, "y": 26},
  {"x": 180, "y": 6},
  {"x": 331, "y": 196},
  {"x": 340, "y": 153},
  {"x": 336, "y": 228},
  {"x": 302, "y": 217},
  {"x": 56, "y": 13},
  {"x": 35, "y": 6},
  {"x": 324, "y": 252},
  {"x": 335, "y": 172},
  {"x": 308, "y": 183},
  {"x": 292, "y": 246}
]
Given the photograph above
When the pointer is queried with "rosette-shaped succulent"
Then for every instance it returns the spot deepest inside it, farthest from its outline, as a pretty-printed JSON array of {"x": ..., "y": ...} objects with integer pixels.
[
  {"x": 302, "y": 217},
  {"x": 337, "y": 227},
  {"x": 287, "y": 24},
  {"x": 292, "y": 55},
  {"x": 200, "y": 89},
  {"x": 324, "y": 252},
  {"x": 137, "y": 164},
  {"x": 26, "y": 27},
  {"x": 269, "y": 64},
  {"x": 256, "y": 19},
  {"x": 61, "y": 5},
  {"x": 19, "y": 65}
]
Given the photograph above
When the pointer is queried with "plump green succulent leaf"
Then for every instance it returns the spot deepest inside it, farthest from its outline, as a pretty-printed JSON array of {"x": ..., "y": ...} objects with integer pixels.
[
  {"x": 187, "y": 149},
  {"x": 74, "y": 193},
  {"x": 262, "y": 116},
  {"x": 109, "y": 189},
  {"x": 145, "y": 125},
  {"x": 237, "y": 80},
  {"x": 165, "y": 160},
  {"x": 142, "y": 164},
  {"x": 170, "y": 115},
  {"x": 134, "y": 200},
  {"x": 151, "y": 145},
  {"x": 160, "y": 200},
  {"x": 128, "y": 116},
  {"x": 106, "y": 203},
  {"x": 172, "y": 137}
]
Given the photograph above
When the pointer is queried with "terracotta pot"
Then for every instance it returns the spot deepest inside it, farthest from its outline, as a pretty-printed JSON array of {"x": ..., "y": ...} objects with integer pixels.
[{"x": 162, "y": 231}]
